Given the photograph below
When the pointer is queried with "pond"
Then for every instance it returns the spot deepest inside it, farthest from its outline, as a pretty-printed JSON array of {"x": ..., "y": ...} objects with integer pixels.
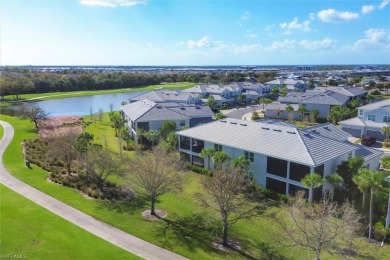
[{"x": 78, "y": 105}]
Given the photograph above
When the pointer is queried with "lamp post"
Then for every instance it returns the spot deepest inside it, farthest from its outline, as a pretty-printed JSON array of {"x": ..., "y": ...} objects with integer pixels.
[{"x": 388, "y": 206}]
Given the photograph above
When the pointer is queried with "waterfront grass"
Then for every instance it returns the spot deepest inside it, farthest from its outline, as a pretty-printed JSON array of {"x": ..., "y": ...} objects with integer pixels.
[
  {"x": 8, "y": 100},
  {"x": 1, "y": 131},
  {"x": 182, "y": 232},
  {"x": 33, "y": 232}
]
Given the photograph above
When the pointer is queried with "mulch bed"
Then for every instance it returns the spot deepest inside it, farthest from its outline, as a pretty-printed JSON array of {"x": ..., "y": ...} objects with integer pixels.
[{"x": 159, "y": 212}]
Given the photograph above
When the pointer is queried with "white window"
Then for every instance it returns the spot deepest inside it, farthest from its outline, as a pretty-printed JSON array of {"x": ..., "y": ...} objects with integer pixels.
[
  {"x": 182, "y": 123},
  {"x": 371, "y": 117},
  {"x": 360, "y": 112},
  {"x": 218, "y": 147},
  {"x": 386, "y": 119}
]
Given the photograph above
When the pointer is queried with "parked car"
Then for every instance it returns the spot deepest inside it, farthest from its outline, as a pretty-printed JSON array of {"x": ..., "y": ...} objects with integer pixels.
[{"x": 368, "y": 140}]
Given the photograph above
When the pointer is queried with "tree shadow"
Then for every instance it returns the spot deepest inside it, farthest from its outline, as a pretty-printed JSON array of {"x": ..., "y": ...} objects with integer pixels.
[{"x": 131, "y": 206}]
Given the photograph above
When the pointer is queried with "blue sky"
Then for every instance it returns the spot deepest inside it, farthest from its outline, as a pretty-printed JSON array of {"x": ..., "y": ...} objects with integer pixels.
[{"x": 194, "y": 32}]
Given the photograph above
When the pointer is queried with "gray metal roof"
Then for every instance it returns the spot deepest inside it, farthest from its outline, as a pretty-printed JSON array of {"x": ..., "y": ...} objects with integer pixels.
[
  {"x": 327, "y": 98},
  {"x": 354, "y": 121},
  {"x": 284, "y": 142},
  {"x": 346, "y": 91},
  {"x": 165, "y": 96},
  {"x": 328, "y": 130},
  {"x": 376, "y": 105},
  {"x": 146, "y": 110}
]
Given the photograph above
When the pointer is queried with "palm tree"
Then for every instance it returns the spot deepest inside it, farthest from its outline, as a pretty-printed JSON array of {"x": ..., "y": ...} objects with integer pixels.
[
  {"x": 241, "y": 98},
  {"x": 290, "y": 110},
  {"x": 211, "y": 101},
  {"x": 265, "y": 101},
  {"x": 386, "y": 131},
  {"x": 336, "y": 114},
  {"x": 219, "y": 158},
  {"x": 302, "y": 110},
  {"x": 219, "y": 116},
  {"x": 241, "y": 163},
  {"x": 312, "y": 181},
  {"x": 334, "y": 180},
  {"x": 278, "y": 111},
  {"x": 361, "y": 181},
  {"x": 152, "y": 136},
  {"x": 313, "y": 115},
  {"x": 207, "y": 153},
  {"x": 374, "y": 180}
]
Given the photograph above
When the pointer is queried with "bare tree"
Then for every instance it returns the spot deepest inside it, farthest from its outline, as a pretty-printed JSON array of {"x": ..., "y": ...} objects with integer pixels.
[
  {"x": 225, "y": 194},
  {"x": 102, "y": 163},
  {"x": 156, "y": 173},
  {"x": 100, "y": 111},
  {"x": 34, "y": 113},
  {"x": 318, "y": 227},
  {"x": 63, "y": 148}
]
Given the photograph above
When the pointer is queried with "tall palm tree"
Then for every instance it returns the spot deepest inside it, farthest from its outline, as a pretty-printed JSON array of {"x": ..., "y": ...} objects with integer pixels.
[
  {"x": 219, "y": 158},
  {"x": 312, "y": 181},
  {"x": 386, "y": 131},
  {"x": 278, "y": 111},
  {"x": 241, "y": 163},
  {"x": 374, "y": 180},
  {"x": 207, "y": 153},
  {"x": 334, "y": 180},
  {"x": 290, "y": 110},
  {"x": 361, "y": 179},
  {"x": 302, "y": 110},
  {"x": 313, "y": 115},
  {"x": 264, "y": 101},
  {"x": 152, "y": 136}
]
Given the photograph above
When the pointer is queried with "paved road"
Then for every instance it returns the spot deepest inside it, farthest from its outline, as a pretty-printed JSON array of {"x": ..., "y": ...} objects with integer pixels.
[
  {"x": 239, "y": 113},
  {"x": 115, "y": 236}
]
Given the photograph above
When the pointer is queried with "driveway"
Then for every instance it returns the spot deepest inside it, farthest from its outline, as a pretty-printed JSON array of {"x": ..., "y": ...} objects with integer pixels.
[
  {"x": 239, "y": 113},
  {"x": 113, "y": 235}
]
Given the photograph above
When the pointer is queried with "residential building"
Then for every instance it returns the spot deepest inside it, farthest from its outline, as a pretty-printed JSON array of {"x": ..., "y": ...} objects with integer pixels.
[
  {"x": 370, "y": 120},
  {"x": 223, "y": 95},
  {"x": 321, "y": 101},
  {"x": 149, "y": 115},
  {"x": 278, "y": 110},
  {"x": 280, "y": 155},
  {"x": 168, "y": 96},
  {"x": 252, "y": 91},
  {"x": 292, "y": 85},
  {"x": 351, "y": 92}
]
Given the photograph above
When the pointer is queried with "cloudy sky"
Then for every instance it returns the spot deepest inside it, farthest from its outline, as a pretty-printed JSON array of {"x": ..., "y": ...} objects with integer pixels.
[{"x": 194, "y": 32}]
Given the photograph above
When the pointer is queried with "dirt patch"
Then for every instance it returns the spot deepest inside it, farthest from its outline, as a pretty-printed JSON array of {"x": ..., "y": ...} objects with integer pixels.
[
  {"x": 159, "y": 212},
  {"x": 60, "y": 125},
  {"x": 233, "y": 245}
]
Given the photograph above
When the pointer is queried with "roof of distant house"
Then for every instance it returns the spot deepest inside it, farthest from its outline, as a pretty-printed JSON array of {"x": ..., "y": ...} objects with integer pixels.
[
  {"x": 328, "y": 98},
  {"x": 279, "y": 141},
  {"x": 346, "y": 91},
  {"x": 146, "y": 110},
  {"x": 165, "y": 96},
  {"x": 211, "y": 88},
  {"x": 328, "y": 130},
  {"x": 376, "y": 105}
]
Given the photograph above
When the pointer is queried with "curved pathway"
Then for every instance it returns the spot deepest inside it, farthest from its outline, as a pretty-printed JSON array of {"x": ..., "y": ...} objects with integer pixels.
[
  {"x": 113, "y": 235},
  {"x": 240, "y": 113}
]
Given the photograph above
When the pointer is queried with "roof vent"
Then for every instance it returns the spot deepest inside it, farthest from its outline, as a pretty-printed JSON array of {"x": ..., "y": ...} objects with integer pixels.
[
  {"x": 223, "y": 121},
  {"x": 291, "y": 132},
  {"x": 158, "y": 107},
  {"x": 243, "y": 124},
  {"x": 314, "y": 131},
  {"x": 197, "y": 107},
  {"x": 183, "y": 108},
  {"x": 233, "y": 123},
  {"x": 277, "y": 130},
  {"x": 265, "y": 128}
]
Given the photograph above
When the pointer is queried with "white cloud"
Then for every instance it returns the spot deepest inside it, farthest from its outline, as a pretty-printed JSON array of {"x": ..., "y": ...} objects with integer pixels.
[
  {"x": 367, "y": 9},
  {"x": 268, "y": 27},
  {"x": 376, "y": 39},
  {"x": 384, "y": 4},
  {"x": 206, "y": 41},
  {"x": 112, "y": 3},
  {"x": 295, "y": 25},
  {"x": 285, "y": 45},
  {"x": 312, "y": 16},
  {"x": 244, "y": 17},
  {"x": 333, "y": 16}
]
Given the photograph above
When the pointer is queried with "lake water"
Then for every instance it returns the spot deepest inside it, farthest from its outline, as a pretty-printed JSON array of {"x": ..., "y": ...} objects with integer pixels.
[{"x": 78, "y": 105}]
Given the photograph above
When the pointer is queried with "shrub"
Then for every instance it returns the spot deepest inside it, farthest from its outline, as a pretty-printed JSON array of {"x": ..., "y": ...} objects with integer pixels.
[
  {"x": 197, "y": 169},
  {"x": 386, "y": 162}
]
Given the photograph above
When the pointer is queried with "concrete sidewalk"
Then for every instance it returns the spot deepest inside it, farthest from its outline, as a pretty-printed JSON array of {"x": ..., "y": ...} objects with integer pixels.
[{"x": 113, "y": 235}]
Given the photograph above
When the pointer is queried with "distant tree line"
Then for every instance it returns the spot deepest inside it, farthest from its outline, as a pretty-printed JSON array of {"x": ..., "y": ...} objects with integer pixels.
[{"x": 17, "y": 81}]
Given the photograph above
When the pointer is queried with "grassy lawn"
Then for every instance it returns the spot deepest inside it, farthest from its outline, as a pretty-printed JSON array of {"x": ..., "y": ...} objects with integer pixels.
[
  {"x": 181, "y": 231},
  {"x": 30, "y": 230},
  {"x": 59, "y": 95}
]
